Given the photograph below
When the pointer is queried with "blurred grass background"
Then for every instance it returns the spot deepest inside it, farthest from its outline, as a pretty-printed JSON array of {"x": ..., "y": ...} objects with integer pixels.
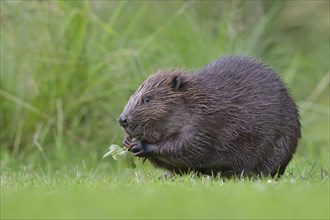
[{"x": 69, "y": 67}]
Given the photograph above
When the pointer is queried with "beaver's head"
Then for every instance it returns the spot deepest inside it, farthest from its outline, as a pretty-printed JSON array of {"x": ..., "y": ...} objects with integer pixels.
[{"x": 153, "y": 111}]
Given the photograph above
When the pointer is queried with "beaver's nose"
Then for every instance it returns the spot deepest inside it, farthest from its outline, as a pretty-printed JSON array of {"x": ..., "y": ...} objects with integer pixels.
[{"x": 123, "y": 121}]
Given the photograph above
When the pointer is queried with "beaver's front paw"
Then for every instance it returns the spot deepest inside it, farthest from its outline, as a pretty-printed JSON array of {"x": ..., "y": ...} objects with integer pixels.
[
  {"x": 140, "y": 148},
  {"x": 136, "y": 147}
]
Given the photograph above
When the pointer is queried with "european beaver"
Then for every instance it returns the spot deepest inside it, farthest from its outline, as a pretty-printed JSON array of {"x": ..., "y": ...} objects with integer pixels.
[{"x": 233, "y": 117}]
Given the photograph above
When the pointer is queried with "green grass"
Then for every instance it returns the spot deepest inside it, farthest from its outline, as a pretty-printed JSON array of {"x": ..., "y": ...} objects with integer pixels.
[
  {"x": 105, "y": 192},
  {"x": 199, "y": 200},
  {"x": 69, "y": 67},
  {"x": 82, "y": 193}
]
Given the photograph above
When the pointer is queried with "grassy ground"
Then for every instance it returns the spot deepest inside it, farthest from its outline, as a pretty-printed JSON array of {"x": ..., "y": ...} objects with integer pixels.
[
  {"x": 69, "y": 195},
  {"x": 68, "y": 68},
  {"x": 81, "y": 193}
]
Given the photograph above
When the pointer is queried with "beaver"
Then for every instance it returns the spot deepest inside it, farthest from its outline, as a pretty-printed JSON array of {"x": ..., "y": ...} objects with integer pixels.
[{"x": 233, "y": 117}]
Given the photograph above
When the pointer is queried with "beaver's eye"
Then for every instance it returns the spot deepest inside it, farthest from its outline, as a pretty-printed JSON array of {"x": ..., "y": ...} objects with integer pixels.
[{"x": 146, "y": 99}]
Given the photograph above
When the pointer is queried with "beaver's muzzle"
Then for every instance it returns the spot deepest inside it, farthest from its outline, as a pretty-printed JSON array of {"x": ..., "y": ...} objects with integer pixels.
[{"x": 123, "y": 121}]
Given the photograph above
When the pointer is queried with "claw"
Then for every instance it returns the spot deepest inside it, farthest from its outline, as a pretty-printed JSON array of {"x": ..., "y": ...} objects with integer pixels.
[{"x": 127, "y": 142}]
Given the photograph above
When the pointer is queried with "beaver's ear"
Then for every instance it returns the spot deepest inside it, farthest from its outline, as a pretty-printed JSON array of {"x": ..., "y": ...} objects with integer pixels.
[{"x": 177, "y": 82}]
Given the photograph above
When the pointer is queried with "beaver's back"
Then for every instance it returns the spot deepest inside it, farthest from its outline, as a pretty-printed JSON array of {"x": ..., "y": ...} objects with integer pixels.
[{"x": 256, "y": 107}]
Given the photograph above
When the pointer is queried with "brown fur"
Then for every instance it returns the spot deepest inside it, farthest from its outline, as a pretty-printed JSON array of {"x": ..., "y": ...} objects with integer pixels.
[{"x": 234, "y": 117}]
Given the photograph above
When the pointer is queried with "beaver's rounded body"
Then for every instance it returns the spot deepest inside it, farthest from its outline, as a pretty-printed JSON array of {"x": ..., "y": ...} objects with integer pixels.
[{"x": 233, "y": 117}]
